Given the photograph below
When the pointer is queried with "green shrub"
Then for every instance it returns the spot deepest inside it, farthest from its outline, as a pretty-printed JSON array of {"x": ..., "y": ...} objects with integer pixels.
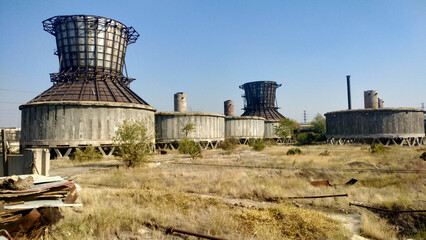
[
  {"x": 318, "y": 127},
  {"x": 257, "y": 144},
  {"x": 190, "y": 147},
  {"x": 229, "y": 144},
  {"x": 294, "y": 151},
  {"x": 286, "y": 128},
  {"x": 306, "y": 138},
  {"x": 134, "y": 141},
  {"x": 378, "y": 148},
  {"x": 88, "y": 154}
]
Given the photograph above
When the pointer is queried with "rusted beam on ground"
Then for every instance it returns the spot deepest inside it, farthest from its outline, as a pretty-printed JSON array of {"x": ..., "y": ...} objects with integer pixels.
[
  {"x": 175, "y": 230},
  {"x": 385, "y": 210},
  {"x": 276, "y": 199}
]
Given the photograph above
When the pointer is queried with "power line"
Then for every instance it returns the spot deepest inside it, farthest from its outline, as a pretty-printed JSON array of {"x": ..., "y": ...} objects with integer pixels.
[
  {"x": 11, "y": 90},
  {"x": 11, "y": 102}
]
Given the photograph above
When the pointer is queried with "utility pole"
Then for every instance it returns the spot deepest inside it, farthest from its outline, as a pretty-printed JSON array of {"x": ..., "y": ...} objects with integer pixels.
[{"x": 4, "y": 149}]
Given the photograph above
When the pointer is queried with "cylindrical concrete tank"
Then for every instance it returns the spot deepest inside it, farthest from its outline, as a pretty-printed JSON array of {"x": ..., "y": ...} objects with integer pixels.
[
  {"x": 371, "y": 99},
  {"x": 90, "y": 43},
  {"x": 270, "y": 129},
  {"x": 180, "y": 102},
  {"x": 229, "y": 108},
  {"x": 386, "y": 125},
  {"x": 74, "y": 124},
  {"x": 209, "y": 127},
  {"x": 244, "y": 127},
  {"x": 381, "y": 103}
]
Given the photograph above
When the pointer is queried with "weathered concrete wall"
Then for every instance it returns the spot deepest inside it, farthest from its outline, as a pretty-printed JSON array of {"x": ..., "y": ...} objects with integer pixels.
[
  {"x": 270, "y": 129},
  {"x": 375, "y": 123},
  {"x": 208, "y": 126},
  {"x": 33, "y": 161},
  {"x": 244, "y": 127},
  {"x": 13, "y": 137},
  {"x": 53, "y": 124}
]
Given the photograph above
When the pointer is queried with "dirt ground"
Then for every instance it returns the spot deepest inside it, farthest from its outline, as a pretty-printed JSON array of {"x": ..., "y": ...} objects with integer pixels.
[{"x": 248, "y": 179}]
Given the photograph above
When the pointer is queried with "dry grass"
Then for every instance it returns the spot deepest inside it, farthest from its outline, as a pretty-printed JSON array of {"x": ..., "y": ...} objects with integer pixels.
[
  {"x": 126, "y": 200},
  {"x": 377, "y": 228}
]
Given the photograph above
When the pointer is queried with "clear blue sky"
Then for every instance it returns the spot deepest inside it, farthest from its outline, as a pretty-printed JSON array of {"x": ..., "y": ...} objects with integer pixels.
[{"x": 208, "y": 48}]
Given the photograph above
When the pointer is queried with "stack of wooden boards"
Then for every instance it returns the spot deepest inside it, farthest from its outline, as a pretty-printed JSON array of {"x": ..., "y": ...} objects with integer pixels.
[{"x": 29, "y": 204}]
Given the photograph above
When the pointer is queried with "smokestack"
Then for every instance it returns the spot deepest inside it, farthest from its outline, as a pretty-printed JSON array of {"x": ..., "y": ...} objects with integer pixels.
[
  {"x": 370, "y": 99},
  {"x": 381, "y": 103},
  {"x": 348, "y": 79},
  {"x": 180, "y": 102},
  {"x": 229, "y": 108}
]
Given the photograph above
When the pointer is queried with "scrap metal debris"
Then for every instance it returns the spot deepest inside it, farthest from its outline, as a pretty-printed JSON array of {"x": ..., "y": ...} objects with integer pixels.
[
  {"x": 30, "y": 203},
  {"x": 351, "y": 182},
  {"x": 423, "y": 156},
  {"x": 321, "y": 183}
]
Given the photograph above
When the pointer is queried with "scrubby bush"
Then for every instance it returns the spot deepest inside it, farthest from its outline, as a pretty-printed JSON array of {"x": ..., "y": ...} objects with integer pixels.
[
  {"x": 294, "y": 151},
  {"x": 229, "y": 144},
  {"x": 318, "y": 127},
  {"x": 378, "y": 148},
  {"x": 88, "y": 154},
  {"x": 306, "y": 138},
  {"x": 134, "y": 142},
  {"x": 189, "y": 127},
  {"x": 286, "y": 128},
  {"x": 187, "y": 146},
  {"x": 257, "y": 144}
]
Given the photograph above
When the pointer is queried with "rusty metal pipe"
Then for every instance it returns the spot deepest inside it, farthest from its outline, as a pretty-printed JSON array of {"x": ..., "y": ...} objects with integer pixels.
[
  {"x": 175, "y": 230},
  {"x": 385, "y": 210},
  {"x": 322, "y": 196}
]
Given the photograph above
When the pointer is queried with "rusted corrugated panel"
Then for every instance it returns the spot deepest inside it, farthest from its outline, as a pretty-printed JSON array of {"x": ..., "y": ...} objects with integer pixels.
[
  {"x": 268, "y": 113},
  {"x": 95, "y": 90}
]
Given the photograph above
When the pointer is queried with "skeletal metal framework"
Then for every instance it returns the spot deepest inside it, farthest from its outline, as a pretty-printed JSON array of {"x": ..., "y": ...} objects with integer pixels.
[
  {"x": 260, "y": 100},
  {"x": 91, "y": 52}
]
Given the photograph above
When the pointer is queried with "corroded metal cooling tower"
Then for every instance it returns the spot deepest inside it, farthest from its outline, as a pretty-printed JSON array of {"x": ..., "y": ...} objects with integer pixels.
[
  {"x": 90, "y": 95},
  {"x": 385, "y": 125},
  {"x": 260, "y": 100}
]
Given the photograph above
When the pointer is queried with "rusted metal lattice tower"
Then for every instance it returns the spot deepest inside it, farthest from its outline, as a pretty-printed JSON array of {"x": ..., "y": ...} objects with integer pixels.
[{"x": 260, "y": 100}]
